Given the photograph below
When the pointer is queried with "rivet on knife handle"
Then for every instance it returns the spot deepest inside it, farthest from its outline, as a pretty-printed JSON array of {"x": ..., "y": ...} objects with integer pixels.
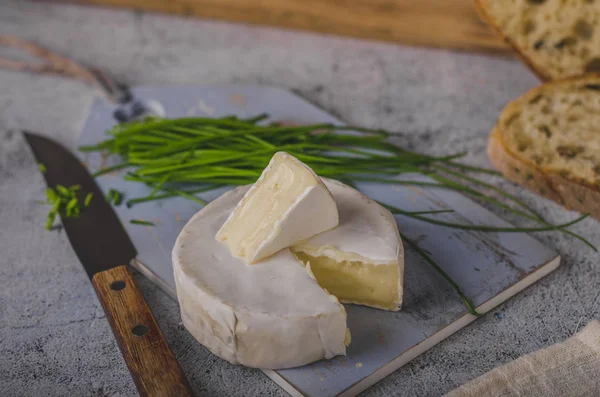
[{"x": 154, "y": 369}]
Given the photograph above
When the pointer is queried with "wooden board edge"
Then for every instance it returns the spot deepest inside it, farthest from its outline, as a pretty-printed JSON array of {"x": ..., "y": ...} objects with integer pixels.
[
  {"x": 454, "y": 327},
  {"x": 281, "y": 382}
]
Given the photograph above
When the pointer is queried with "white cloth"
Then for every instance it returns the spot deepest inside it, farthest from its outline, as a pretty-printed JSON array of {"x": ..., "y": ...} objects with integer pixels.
[{"x": 567, "y": 369}]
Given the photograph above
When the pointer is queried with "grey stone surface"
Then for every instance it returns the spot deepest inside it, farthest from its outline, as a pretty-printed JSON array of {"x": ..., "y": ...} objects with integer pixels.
[{"x": 54, "y": 338}]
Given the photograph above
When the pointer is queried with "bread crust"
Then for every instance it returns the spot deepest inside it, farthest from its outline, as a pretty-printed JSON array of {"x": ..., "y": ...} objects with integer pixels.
[
  {"x": 537, "y": 69},
  {"x": 574, "y": 195}
]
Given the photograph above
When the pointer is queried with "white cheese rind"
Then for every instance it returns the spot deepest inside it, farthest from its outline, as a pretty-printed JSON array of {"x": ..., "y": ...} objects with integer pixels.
[
  {"x": 273, "y": 315},
  {"x": 311, "y": 210},
  {"x": 366, "y": 231}
]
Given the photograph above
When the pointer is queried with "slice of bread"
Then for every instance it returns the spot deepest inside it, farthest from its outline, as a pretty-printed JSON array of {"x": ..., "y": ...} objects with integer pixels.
[
  {"x": 548, "y": 140},
  {"x": 556, "y": 38}
]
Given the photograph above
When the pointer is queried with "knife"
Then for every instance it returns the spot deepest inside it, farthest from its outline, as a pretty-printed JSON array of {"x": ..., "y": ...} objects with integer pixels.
[{"x": 104, "y": 249}]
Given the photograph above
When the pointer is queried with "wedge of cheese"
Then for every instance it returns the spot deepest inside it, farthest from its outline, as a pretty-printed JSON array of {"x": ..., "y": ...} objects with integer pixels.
[
  {"x": 275, "y": 314},
  {"x": 362, "y": 260},
  {"x": 287, "y": 204}
]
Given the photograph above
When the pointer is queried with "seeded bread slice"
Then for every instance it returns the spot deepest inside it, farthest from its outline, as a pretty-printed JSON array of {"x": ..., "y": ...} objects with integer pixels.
[
  {"x": 556, "y": 38},
  {"x": 548, "y": 140}
]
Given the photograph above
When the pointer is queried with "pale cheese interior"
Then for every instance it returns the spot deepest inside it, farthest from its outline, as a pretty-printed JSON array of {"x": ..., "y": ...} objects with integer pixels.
[
  {"x": 356, "y": 282},
  {"x": 255, "y": 219}
]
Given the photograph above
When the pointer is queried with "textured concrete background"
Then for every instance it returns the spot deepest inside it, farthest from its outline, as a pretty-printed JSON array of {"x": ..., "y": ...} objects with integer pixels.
[{"x": 54, "y": 339}]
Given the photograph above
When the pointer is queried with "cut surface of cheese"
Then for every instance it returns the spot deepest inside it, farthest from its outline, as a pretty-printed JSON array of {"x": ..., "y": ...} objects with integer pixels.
[
  {"x": 287, "y": 204},
  {"x": 274, "y": 314},
  {"x": 357, "y": 282},
  {"x": 361, "y": 261}
]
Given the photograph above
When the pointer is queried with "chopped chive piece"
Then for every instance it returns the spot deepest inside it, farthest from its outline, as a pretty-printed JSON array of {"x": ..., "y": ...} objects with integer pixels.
[
  {"x": 114, "y": 197},
  {"x": 52, "y": 196},
  {"x": 87, "y": 200},
  {"x": 118, "y": 198},
  {"x": 71, "y": 205},
  {"x": 50, "y": 220},
  {"x": 141, "y": 222},
  {"x": 63, "y": 190},
  {"x": 42, "y": 168}
]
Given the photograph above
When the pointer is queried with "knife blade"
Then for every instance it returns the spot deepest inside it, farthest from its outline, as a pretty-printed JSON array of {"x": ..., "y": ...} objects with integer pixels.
[{"x": 104, "y": 249}]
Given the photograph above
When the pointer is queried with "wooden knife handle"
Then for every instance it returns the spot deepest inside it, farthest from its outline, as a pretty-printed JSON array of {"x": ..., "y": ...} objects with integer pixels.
[{"x": 154, "y": 369}]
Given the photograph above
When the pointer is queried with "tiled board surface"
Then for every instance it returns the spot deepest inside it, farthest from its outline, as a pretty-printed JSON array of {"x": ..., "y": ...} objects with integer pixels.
[{"x": 483, "y": 264}]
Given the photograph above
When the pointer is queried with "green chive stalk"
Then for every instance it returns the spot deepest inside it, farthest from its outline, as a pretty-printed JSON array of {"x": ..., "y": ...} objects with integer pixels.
[{"x": 176, "y": 156}]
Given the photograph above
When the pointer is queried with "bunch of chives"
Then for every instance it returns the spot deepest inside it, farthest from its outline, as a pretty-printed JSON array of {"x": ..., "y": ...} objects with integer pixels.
[{"x": 182, "y": 157}]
